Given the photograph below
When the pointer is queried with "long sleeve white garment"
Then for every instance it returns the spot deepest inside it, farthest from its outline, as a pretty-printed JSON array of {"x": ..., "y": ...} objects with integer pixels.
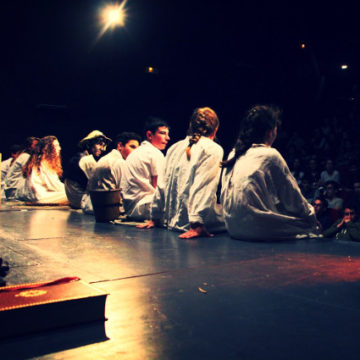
[
  {"x": 5, "y": 166},
  {"x": 105, "y": 175},
  {"x": 188, "y": 193},
  {"x": 87, "y": 164},
  {"x": 14, "y": 177},
  {"x": 137, "y": 190},
  {"x": 262, "y": 200},
  {"x": 43, "y": 186}
]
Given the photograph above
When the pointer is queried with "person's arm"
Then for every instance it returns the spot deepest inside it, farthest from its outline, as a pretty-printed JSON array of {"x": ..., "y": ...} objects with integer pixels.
[
  {"x": 353, "y": 229},
  {"x": 290, "y": 196},
  {"x": 333, "y": 229}
]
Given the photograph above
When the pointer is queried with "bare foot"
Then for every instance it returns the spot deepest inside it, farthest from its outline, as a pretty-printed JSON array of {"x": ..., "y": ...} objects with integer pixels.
[
  {"x": 146, "y": 225},
  {"x": 196, "y": 230}
]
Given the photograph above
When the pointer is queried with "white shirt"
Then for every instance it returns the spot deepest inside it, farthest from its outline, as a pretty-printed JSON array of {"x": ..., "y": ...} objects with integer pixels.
[
  {"x": 5, "y": 166},
  {"x": 262, "y": 200},
  {"x": 42, "y": 186},
  {"x": 107, "y": 172},
  {"x": 188, "y": 193},
  {"x": 140, "y": 166},
  {"x": 14, "y": 177},
  {"x": 325, "y": 176},
  {"x": 87, "y": 164}
]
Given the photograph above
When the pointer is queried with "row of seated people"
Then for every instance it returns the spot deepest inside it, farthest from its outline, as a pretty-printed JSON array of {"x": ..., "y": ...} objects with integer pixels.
[
  {"x": 260, "y": 199},
  {"x": 337, "y": 186}
]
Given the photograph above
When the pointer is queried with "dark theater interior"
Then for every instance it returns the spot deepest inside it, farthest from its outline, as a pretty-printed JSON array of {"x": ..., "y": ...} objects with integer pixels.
[{"x": 76, "y": 287}]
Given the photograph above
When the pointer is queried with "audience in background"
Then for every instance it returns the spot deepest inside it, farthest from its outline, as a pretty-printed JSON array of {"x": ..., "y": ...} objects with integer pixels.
[
  {"x": 346, "y": 228},
  {"x": 322, "y": 213},
  {"x": 331, "y": 193}
]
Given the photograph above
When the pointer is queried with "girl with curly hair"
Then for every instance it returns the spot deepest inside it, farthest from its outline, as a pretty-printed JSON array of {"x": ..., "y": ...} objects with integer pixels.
[{"x": 41, "y": 173}]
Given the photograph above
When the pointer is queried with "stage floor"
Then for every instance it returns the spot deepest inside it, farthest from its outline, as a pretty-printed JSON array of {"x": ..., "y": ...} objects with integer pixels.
[{"x": 208, "y": 298}]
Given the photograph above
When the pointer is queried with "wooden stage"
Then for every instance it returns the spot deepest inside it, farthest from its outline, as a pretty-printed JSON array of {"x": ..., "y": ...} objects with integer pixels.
[{"x": 208, "y": 298}]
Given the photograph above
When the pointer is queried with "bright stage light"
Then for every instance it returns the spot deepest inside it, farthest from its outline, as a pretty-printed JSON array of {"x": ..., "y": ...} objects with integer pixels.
[
  {"x": 344, "y": 67},
  {"x": 114, "y": 15},
  {"x": 111, "y": 16}
]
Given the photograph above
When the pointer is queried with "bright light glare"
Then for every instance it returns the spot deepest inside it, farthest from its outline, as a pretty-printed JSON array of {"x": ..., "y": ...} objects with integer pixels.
[
  {"x": 112, "y": 16},
  {"x": 344, "y": 67}
]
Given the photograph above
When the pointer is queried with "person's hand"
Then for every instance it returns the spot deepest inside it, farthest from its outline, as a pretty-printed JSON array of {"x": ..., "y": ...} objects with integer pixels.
[
  {"x": 342, "y": 222},
  {"x": 146, "y": 225},
  {"x": 196, "y": 230}
]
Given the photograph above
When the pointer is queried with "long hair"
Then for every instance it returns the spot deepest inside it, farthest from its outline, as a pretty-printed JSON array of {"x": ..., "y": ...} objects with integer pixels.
[
  {"x": 203, "y": 122},
  {"x": 34, "y": 160},
  {"x": 255, "y": 125},
  {"x": 44, "y": 152}
]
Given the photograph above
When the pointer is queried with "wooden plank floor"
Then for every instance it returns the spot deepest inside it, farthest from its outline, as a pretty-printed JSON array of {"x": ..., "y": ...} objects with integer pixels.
[{"x": 209, "y": 298}]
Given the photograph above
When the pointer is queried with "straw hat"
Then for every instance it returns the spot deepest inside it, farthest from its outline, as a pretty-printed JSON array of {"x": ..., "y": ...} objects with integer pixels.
[{"x": 93, "y": 135}]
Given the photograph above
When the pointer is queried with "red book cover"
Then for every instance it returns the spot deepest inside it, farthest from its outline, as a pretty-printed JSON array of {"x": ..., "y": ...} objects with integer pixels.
[{"x": 42, "y": 306}]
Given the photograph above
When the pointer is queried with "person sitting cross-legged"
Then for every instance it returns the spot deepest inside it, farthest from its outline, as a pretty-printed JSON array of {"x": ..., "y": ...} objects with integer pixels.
[
  {"x": 143, "y": 170},
  {"x": 106, "y": 174},
  {"x": 260, "y": 197},
  {"x": 186, "y": 201}
]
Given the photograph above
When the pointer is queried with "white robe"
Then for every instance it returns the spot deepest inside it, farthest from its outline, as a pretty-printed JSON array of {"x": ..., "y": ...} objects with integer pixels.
[
  {"x": 87, "y": 164},
  {"x": 262, "y": 200},
  {"x": 5, "y": 166},
  {"x": 188, "y": 193},
  {"x": 105, "y": 175},
  {"x": 43, "y": 186},
  {"x": 136, "y": 187},
  {"x": 14, "y": 177}
]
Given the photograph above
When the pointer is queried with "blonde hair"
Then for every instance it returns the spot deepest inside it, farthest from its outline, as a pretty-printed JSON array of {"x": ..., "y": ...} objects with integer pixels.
[{"x": 203, "y": 122}]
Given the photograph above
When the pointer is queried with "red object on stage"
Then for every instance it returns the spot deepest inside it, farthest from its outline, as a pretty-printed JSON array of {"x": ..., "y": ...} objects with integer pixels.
[{"x": 42, "y": 306}]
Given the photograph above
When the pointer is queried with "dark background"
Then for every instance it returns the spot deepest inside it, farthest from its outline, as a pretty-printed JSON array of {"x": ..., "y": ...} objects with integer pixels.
[{"x": 58, "y": 78}]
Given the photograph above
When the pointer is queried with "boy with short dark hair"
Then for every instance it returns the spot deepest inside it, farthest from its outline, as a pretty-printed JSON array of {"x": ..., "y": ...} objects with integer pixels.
[{"x": 143, "y": 169}]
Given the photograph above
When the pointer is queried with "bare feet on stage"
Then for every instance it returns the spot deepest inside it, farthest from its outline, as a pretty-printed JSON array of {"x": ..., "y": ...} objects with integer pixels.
[
  {"x": 146, "y": 225},
  {"x": 196, "y": 230}
]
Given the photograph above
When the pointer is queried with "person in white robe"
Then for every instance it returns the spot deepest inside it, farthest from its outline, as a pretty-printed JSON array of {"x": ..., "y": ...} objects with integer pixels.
[
  {"x": 80, "y": 166},
  {"x": 15, "y": 151},
  {"x": 186, "y": 201},
  {"x": 14, "y": 177},
  {"x": 260, "y": 197},
  {"x": 143, "y": 170},
  {"x": 41, "y": 183},
  {"x": 107, "y": 172}
]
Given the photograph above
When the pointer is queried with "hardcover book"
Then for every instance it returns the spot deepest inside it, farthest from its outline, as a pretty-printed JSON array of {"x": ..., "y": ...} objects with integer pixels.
[{"x": 42, "y": 306}]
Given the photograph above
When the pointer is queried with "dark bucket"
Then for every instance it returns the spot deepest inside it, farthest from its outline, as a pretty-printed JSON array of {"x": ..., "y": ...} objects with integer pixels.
[{"x": 106, "y": 204}]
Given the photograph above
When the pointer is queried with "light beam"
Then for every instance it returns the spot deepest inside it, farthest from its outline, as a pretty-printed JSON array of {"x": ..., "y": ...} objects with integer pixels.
[{"x": 112, "y": 16}]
